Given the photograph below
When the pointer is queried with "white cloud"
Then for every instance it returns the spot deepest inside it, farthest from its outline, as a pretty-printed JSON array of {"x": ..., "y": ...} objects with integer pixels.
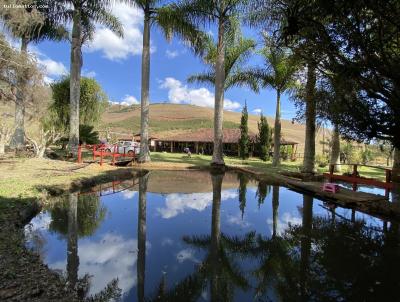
[
  {"x": 284, "y": 222},
  {"x": 52, "y": 68},
  {"x": 238, "y": 220},
  {"x": 89, "y": 74},
  {"x": 181, "y": 94},
  {"x": 178, "y": 203},
  {"x": 171, "y": 54},
  {"x": 187, "y": 254},
  {"x": 128, "y": 100},
  {"x": 114, "y": 47},
  {"x": 128, "y": 194},
  {"x": 257, "y": 111}
]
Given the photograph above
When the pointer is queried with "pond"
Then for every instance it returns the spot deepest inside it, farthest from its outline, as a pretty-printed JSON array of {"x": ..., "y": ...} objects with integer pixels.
[{"x": 196, "y": 236}]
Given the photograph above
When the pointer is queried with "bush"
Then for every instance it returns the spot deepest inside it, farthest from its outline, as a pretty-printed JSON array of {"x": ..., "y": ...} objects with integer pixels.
[{"x": 321, "y": 160}]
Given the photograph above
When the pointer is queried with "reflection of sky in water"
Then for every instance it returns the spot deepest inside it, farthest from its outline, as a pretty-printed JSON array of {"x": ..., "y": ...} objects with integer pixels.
[{"x": 111, "y": 252}]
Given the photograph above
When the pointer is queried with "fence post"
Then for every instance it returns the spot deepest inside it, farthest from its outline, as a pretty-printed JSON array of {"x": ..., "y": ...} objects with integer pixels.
[
  {"x": 101, "y": 157},
  {"x": 355, "y": 170},
  {"x": 79, "y": 154},
  {"x": 331, "y": 169},
  {"x": 388, "y": 175},
  {"x": 94, "y": 152}
]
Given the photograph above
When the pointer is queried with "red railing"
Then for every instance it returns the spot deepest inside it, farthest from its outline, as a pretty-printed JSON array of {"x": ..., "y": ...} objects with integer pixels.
[
  {"x": 102, "y": 153},
  {"x": 355, "y": 178}
]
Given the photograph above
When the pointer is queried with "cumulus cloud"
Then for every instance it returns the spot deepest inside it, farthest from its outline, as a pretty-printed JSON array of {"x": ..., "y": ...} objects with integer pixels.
[
  {"x": 53, "y": 68},
  {"x": 257, "y": 111},
  {"x": 128, "y": 100},
  {"x": 181, "y": 94},
  {"x": 114, "y": 47},
  {"x": 128, "y": 194},
  {"x": 89, "y": 74},
  {"x": 177, "y": 203}
]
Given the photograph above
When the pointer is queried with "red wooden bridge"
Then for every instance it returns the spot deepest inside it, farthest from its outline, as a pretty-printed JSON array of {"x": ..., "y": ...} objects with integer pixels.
[
  {"x": 355, "y": 178},
  {"x": 103, "y": 152}
]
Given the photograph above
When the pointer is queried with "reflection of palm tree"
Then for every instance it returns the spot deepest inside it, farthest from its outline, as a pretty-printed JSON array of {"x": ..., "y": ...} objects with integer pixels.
[
  {"x": 72, "y": 255},
  {"x": 218, "y": 267},
  {"x": 305, "y": 244},
  {"x": 80, "y": 216},
  {"x": 141, "y": 267},
  {"x": 275, "y": 206}
]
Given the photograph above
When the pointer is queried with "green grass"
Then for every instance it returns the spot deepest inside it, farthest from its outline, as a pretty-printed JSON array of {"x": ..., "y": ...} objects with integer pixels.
[{"x": 257, "y": 164}]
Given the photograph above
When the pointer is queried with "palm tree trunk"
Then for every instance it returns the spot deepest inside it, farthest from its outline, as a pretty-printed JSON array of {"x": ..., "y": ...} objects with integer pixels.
[
  {"x": 141, "y": 265},
  {"x": 216, "y": 179},
  {"x": 309, "y": 148},
  {"x": 75, "y": 82},
  {"x": 396, "y": 166},
  {"x": 18, "y": 138},
  {"x": 335, "y": 155},
  {"x": 72, "y": 255},
  {"x": 277, "y": 130},
  {"x": 217, "y": 158},
  {"x": 275, "y": 206},
  {"x": 144, "y": 117}
]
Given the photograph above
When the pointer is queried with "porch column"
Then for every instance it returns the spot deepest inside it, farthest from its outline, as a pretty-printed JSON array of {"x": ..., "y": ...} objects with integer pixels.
[
  {"x": 172, "y": 146},
  {"x": 196, "y": 146}
]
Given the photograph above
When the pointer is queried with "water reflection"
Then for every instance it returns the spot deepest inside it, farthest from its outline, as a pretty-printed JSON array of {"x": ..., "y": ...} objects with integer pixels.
[{"x": 240, "y": 241}]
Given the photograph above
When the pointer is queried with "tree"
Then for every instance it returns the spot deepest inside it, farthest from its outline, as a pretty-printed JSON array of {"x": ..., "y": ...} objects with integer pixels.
[
  {"x": 92, "y": 102},
  {"x": 5, "y": 136},
  {"x": 244, "y": 134},
  {"x": 225, "y": 14},
  {"x": 30, "y": 26},
  {"x": 279, "y": 73},
  {"x": 264, "y": 138},
  {"x": 171, "y": 22},
  {"x": 83, "y": 14},
  {"x": 335, "y": 153}
]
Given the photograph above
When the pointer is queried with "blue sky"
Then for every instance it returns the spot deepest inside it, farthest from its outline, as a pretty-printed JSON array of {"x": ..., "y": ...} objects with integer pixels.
[{"x": 116, "y": 64}]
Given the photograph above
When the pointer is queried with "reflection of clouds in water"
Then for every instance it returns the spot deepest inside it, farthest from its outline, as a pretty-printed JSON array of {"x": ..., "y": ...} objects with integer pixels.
[
  {"x": 187, "y": 254},
  {"x": 112, "y": 256},
  {"x": 237, "y": 220},
  {"x": 284, "y": 221},
  {"x": 127, "y": 194},
  {"x": 40, "y": 222},
  {"x": 177, "y": 203},
  {"x": 167, "y": 241}
]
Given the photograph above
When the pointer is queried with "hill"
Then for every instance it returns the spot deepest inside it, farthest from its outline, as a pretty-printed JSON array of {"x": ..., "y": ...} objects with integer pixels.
[{"x": 171, "y": 119}]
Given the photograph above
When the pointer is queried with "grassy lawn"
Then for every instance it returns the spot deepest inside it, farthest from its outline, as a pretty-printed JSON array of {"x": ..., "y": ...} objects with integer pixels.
[{"x": 257, "y": 165}]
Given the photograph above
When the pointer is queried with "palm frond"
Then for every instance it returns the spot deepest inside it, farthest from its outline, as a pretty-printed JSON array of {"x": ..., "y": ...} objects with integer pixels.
[
  {"x": 101, "y": 14},
  {"x": 206, "y": 78}
]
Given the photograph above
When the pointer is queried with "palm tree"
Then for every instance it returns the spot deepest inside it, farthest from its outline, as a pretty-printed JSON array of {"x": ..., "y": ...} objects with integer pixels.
[
  {"x": 225, "y": 14},
  {"x": 83, "y": 14},
  {"x": 37, "y": 26},
  {"x": 310, "y": 115},
  {"x": 170, "y": 22},
  {"x": 279, "y": 73}
]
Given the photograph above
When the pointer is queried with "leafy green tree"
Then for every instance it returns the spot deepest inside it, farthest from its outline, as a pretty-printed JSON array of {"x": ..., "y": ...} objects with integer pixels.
[
  {"x": 244, "y": 134},
  {"x": 30, "y": 26},
  {"x": 242, "y": 191},
  {"x": 263, "y": 190},
  {"x": 171, "y": 22},
  {"x": 264, "y": 138},
  {"x": 225, "y": 14},
  {"x": 92, "y": 103}
]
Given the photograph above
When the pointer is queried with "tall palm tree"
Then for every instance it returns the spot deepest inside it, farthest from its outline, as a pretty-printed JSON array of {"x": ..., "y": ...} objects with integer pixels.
[
  {"x": 84, "y": 15},
  {"x": 171, "y": 23},
  {"x": 36, "y": 26},
  {"x": 225, "y": 14},
  {"x": 278, "y": 72},
  {"x": 310, "y": 115}
]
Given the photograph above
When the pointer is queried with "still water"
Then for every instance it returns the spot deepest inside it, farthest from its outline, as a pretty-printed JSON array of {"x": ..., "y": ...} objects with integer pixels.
[{"x": 193, "y": 236}]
